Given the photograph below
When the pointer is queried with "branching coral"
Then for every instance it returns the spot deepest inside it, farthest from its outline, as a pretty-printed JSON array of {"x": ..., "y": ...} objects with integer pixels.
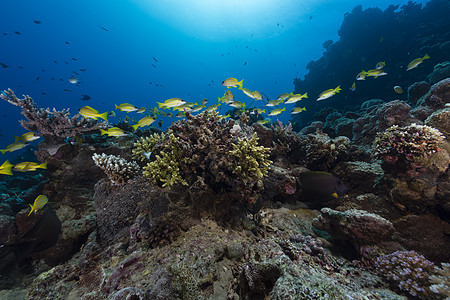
[
  {"x": 165, "y": 169},
  {"x": 410, "y": 271},
  {"x": 147, "y": 145},
  {"x": 50, "y": 123},
  {"x": 117, "y": 169},
  {"x": 441, "y": 281},
  {"x": 250, "y": 160},
  {"x": 410, "y": 144}
]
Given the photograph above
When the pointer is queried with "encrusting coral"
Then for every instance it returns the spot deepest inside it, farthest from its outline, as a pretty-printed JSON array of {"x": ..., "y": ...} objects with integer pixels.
[
  {"x": 251, "y": 161},
  {"x": 51, "y": 123},
  {"x": 117, "y": 169}
]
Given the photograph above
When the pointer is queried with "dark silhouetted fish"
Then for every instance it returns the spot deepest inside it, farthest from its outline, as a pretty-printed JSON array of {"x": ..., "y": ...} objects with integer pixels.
[
  {"x": 155, "y": 59},
  {"x": 85, "y": 97},
  {"x": 67, "y": 43},
  {"x": 4, "y": 33},
  {"x": 83, "y": 70},
  {"x": 42, "y": 236},
  {"x": 3, "y": 65},
  {"x": 105, "y": 29},
  {"x": 37, "y": 22},
  {"x": 74, "y": 59},
  {"x": 153, "y": 66},
  {"x": 320, "y": 186},
  {"x": 17, "y": 32}
]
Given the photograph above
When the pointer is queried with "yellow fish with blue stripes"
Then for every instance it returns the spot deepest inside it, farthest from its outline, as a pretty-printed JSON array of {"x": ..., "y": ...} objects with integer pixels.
[{"x": 39, "y": 203}]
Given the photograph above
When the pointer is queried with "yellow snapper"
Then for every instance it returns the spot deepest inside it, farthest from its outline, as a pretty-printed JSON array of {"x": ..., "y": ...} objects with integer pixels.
[
  {"x": 14, "y": 146},
  {"x": 232, "y": 82},
  {"x": 257, "y": 111},
  {"x": 257, "y": 95},
  {"x": 26, "y": 137},
  {"x": 361, "y": 75},
  {"x": 112, "y": 114},
  {"x": 145, "y": 121},
  {"x": 198, "y": 108},
  {"x": 181, "y": 114},
  {"x": 380, "y": 65},
  {"x": 237, "y": 104},
  {"x": 398, "y": 89},
  {"x": 262, "y": 122},
  {"x": 172, "y": 102},
  {"x": 212, "y": 107},
  {"x": 141, "y": 110},
  {"x": 39, "y": 203},
  {"x": 353, "y": 87},
  {"x": 375, "y": 73},
  {"x": 91, "y": 113},
  {"x": 415, "y": 63},
  {"x": 297, "y": 110},
  {"x": 113, "y": 131},
  {"x": 5, "y": 168},
  {"x": 224, "y": 99},
  {"x": 223, "y": 117},
  {"x": 204, "y": 101},
  {"x": 274, "y": 102},
  {"x": 285, "y": 96},
  {"x": 329, "y": 93},
  {"x": 229, "y": 95},
  {"x": 277, "y": 111},
  {"x": 295, "y": 98},
  {"x": 126, "y": 107},
  {"x": 27, "y": 166}
]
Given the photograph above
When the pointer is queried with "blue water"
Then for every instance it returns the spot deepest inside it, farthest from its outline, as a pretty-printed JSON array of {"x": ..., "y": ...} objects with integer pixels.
[{"x": 184, "y": 48}]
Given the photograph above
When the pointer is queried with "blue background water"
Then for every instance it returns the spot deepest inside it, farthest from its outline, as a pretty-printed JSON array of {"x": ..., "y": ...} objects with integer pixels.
[{"x": 197, "y": 45}]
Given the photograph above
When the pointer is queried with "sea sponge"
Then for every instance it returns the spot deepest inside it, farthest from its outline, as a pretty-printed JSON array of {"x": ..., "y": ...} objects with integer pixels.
[
  {"x": 117, "y": 169},
  {"x": 251, "y": 160}
]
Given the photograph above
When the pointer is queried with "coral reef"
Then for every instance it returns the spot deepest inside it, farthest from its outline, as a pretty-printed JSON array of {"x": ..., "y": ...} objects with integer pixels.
[
  {"x": 51, "y": 123},
  {"x": 118, "y": 170},
  {"x": 251, "y": 161},
  {"x": 410, "y": 271},
  {"x": 407, "y": 147}
]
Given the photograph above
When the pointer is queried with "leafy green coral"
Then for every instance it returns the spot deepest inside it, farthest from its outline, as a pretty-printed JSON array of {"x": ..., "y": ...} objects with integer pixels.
[
  {"x": 251, "y": 160},
  {"x": 146, "y": 145},
  {"x": 165, "y": 169}
]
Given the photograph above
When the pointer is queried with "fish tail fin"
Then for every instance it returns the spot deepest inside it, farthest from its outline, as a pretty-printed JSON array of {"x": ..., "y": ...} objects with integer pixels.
[
  {"x": 42, "y": 166},
  {"x": 16, "y": 138},
  {"x": 3, "y": 151},
  {"x": 116, "y": 106},
  {"x": 284, "y": 109},
  {"x": 160, "y": 104},
  {"x": 135, "y": 127},
  {"x": 104, "y": 116},
  {"x": 6, "y": 171},
  {"x": 426, "y": 56},
  {"x": 264, "y": 110},
  {"x": 31, "y": 209},
  {"x": 305, "y": 95},
  {"x": 102, "y": 132},
  {"x": 240, "y": 83},
  {"x": 338, "y": 89},
  {"x": 335, "y": 195}
]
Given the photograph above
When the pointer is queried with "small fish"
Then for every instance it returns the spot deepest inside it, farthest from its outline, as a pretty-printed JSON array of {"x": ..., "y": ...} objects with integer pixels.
[
  {"x": 295, "y": 98},
  {"x": 113, "y": 131},
  {"x": 91, "y": 113},
  {"x": 74, "y": 59},
  {"x": 375, "y": 73},
  {"x": 73, "y": 80},
  {"x": 361, "y": 75},
  {"x": 257, "y": 111},
  {"x": 229, "y": 95},
  {"x": 126, "y": 107},
  {"x": 257, "y": 95},
  {"x": 17, "y": 32},
  {"x": 415, "y": 63},
  {"x": 39, "y": 203},
  {"x": 154, "y": 66},
  {"x": 112, "y": 114},
  {"x": 141, "y": 110},
  {"x": 160, "y": 123},
  {"x": 329, "y": 93},
  {"x": 14, "y": 146},
  {"x": 27, "y": 166},
  {"x": 237, "y": 104},
  {"x": 212, "y": 107},
  {"x": 155, "y": 59},
  {"x": 26, "y": 137},
  {"x": 126, "y": 119},
  {"x": 105, "y": 29},
  {"x": 398, "y": 89},
  {"x": 204, "y": 101},
  {"x": 5, "y": 168},
  {"x": 353, "y": 87},
  {"x": 277, "y": 111},
  {"x": 232, "y": 82},
  {"x": 181, "y": 114},
  {"x": 172, "y": 102},
  {"x": 274, "y": 102},
  {"x": 262, "y": 122},
  {"x": 198, "y": 108},
  {"x": 223, "y": 117},
  {"x": 284, "y": 96},
  {"x": 85, "y": 97},
  {"x": 145, "y": 121},
  {"x": 380, "y": 65},
  {"x": 37, "y": 22},
  {"x": 297, "y": 110}
]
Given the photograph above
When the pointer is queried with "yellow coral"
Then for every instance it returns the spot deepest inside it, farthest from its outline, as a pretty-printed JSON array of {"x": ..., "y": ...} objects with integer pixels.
[
  {"x": 146, "y": 145},
  {"x": 252, "y": 161}
]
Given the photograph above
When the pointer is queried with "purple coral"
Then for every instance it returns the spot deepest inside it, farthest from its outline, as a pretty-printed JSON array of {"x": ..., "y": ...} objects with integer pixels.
[{"x": 410, "y": 271}]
